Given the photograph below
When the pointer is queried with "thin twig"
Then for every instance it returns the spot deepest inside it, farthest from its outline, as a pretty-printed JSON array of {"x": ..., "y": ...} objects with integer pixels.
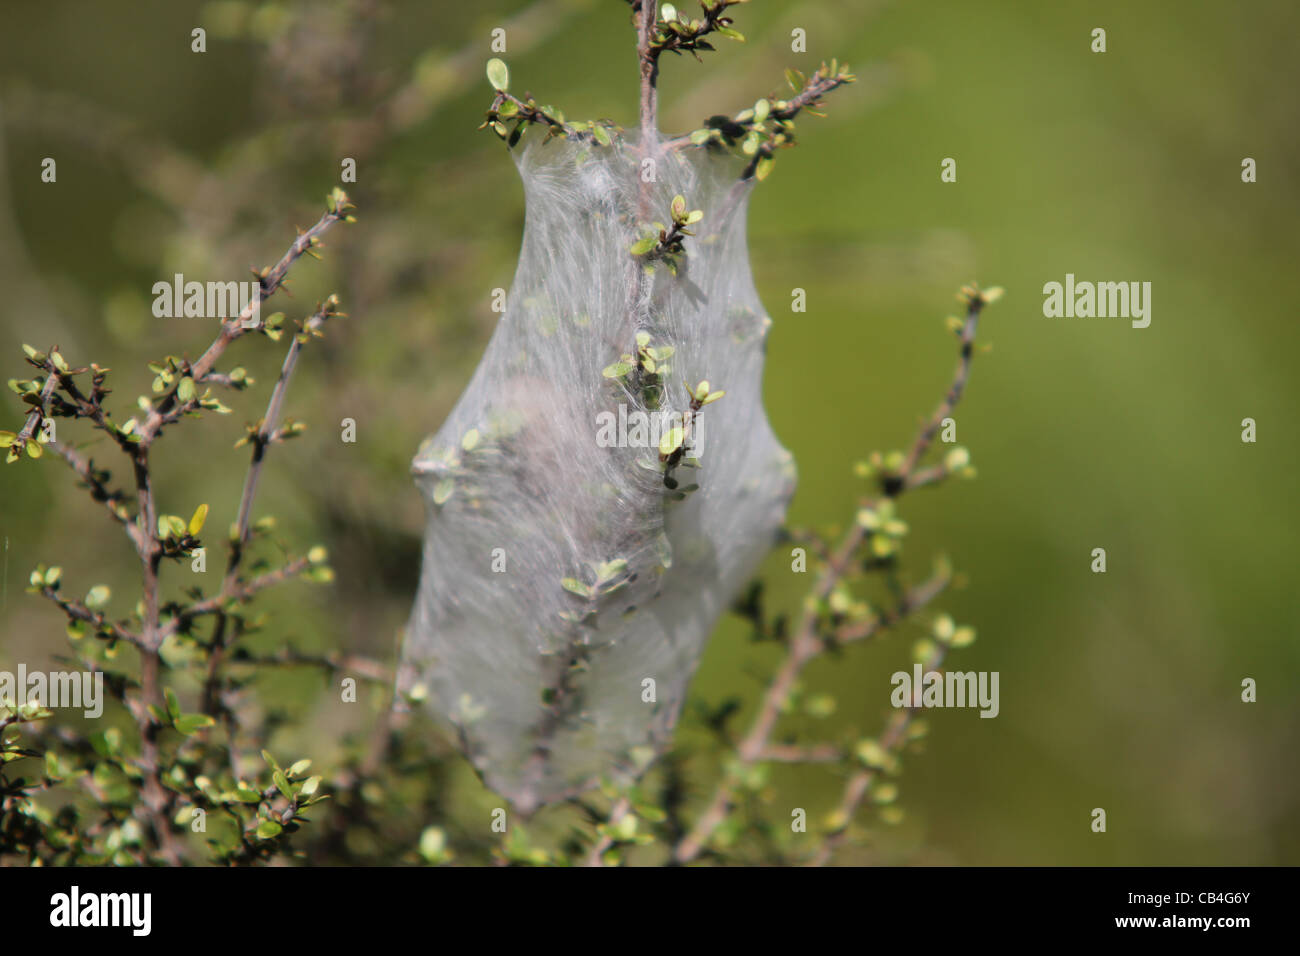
[
  {"x": 79, "y": 612},
  {"x": 975, "y": 305},
  {"x": 239, "y": 593},
  {"x": 99, "y": 491},
  {"x": 648, "y": 57},
  {"x": 37, "y": 414},
  {"x": 860, "y": 782},
  {"x": 816, "y": 86},
  {"x": 261, "y": 439},
  {"x": 531, "y": 113},
  {"x": 334, "y": 661},
  {"x": 271, "y": 280},
  {"x": 807, "y": 642},
  {"x": 806, "y": 646},
  {"x": 596, "y": 856}
]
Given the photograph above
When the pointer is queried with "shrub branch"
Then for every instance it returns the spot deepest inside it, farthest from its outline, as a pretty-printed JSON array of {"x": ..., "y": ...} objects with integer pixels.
[{"x": 813, "y": 637}]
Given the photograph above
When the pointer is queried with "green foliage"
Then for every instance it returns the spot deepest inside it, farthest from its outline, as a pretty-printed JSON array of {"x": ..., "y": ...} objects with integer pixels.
[
  {"x": 758, "y": 132},
  {"x": 163, "y": 783},
  {"x": 666, "y": 243},
  {"x": 675, "y": 33}
]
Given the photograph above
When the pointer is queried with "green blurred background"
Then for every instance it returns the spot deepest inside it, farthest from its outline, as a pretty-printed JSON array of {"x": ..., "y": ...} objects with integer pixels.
[{"x": 1119, "y": 691}]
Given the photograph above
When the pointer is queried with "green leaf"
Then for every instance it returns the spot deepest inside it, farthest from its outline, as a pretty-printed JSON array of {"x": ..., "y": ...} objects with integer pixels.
[
  {"x": 701, "y": 136},
  {"x": 611, "y": 569},
  {"x": 650, "y": 813},
  {"x": 282, "y": 784},
  {"x": 642, "y": 246},
  {"x": 196, "y": 521},
  {"x": 97, "y": 596},
  {"x": 678, "y": 207},
  {"x": 625, "y": 829},
  {"x": 670, "y": 442},
  {"x": 470, "y": 441},
  {"x": 575, "y": 586},
  {"x": 602, "y": 135},
  {"x": 963, "y": 637},
  {"x": 191, "y": 723},
  {"x": 319, "y": 574},
  {"x": 442, "y": 490},
  {"x": 268, "y": 829},
  {"x": 664, "y": 551},
  {"x": 763, "y": 167},
  {"x": 617, "y": 370},
  {"x": 173, "y": 706},
  {"x": 871, "y": 753},
  {"x": 498, "y": 74},
  {"x": 185, "y": 391},
  {"x": 433, "y": 845}
]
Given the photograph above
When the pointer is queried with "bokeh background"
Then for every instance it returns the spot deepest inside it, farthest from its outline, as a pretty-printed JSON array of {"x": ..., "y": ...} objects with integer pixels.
[{"x": 1118, "y": 690}]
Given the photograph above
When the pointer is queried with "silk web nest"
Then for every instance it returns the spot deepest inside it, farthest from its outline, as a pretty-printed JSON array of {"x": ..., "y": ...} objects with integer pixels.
[{"x": 609, "y": 479}]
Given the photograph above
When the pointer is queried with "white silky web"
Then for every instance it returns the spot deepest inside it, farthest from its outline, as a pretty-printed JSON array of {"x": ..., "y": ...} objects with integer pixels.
[{"x": 545, "y": 688}]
